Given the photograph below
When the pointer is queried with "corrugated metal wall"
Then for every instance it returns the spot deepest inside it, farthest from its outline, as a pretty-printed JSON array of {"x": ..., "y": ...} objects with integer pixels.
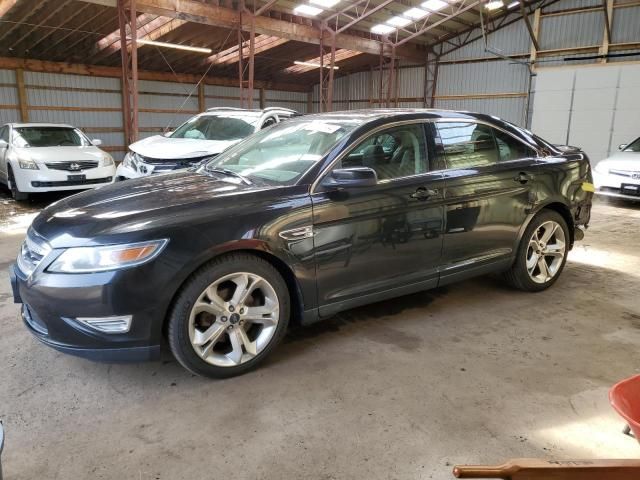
[
  {"x": 94, "y": 104},
  {"x": 469, "y": 78}
]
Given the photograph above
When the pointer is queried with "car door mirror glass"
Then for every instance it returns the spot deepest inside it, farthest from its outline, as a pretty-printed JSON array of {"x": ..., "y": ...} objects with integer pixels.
[
  {"x": 96, "y": 142},
  {"x": 167, "y": 134},
  {"x": 351, "y": 177},
  {"x": 622, "y": 146}
]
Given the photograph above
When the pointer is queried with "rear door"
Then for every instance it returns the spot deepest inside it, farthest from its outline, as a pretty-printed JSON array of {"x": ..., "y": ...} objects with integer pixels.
[
  {"x": 377, "y": 242},
  {"x": 489, "y": 189}
]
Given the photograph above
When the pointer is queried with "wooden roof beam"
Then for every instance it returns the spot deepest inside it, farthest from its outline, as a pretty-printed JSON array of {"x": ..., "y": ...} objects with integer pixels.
[{"x": 208, "y": 14}]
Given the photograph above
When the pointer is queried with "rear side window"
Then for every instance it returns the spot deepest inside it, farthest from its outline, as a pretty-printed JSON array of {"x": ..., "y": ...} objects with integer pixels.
[
  {"x": 470, "y": 145},
  {"x": 467, "y": 144}
]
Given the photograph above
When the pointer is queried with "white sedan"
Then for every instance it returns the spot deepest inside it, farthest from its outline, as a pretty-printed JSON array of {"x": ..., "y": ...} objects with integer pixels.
[
  {"x": 619, "y": 175},
  {"x": 43, "y": 157}
]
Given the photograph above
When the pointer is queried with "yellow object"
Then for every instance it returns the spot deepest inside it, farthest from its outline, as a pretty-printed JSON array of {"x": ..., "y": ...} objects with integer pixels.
[{"x": 588, "y": 187}]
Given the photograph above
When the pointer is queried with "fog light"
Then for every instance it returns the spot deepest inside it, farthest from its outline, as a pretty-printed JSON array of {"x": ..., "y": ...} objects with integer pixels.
[{"x": 119, "y": 324}]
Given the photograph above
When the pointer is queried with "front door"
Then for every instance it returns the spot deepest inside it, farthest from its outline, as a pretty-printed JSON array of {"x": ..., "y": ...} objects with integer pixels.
[
  {"x": 373, "y": 243},
  {"x": 489, "y": 189}
]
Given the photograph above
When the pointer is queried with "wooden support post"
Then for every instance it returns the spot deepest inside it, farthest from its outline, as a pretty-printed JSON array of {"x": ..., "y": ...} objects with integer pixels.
[
  {"x": 608, "y": 26},
  {"x": 129, "y": 76},
  {"x": 22, "y": 96},
  {"x": 536, "y": 34},
  {"x": 202, "y": 104}
]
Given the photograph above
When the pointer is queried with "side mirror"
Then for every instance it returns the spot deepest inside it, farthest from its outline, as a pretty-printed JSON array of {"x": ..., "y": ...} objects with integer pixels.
[
  {"x": 167, "y": 134},
  {"x": 351, "y": 177},
  {"x": 96, "y": 142},
  {"x": 622, "y": 146},
  {"x": 3, "y": 144}
]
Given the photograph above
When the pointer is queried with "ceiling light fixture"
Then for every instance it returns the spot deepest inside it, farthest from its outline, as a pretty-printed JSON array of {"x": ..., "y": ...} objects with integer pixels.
[
  {"x": 307, "y": 10},
  {"x": 513, "y": 4},
  {"x": 494, "y": 5},
  {"x": 313, "y": 64},
  {"x": 177, "y": 46},
  {"x": 415, "y": 13},
  {"x": 325, "y": 3},
  {"x": 399, "y": 22},
  {"x": 434, "y": 5},
  {"x": 382, "y": 29}
]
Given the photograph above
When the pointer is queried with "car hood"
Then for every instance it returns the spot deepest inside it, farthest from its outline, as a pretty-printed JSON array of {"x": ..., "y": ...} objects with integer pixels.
[
  {"x": 163, "y": 148},
  {"x": 623, "y": 161},
  {"x": 138, "y": 206},
  {"x": 59, "y": 154}
]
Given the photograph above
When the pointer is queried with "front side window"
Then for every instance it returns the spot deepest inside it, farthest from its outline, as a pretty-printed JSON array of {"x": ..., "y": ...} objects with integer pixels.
[
  {"x": 282, "y": 154},
  {"x": 219, "y": 126},
  {"x": 393, "y": 153},
  {"x": 633, "y": 146},
  {"x": 24, "y": 137},
  {"x": 4, "y": 133}
]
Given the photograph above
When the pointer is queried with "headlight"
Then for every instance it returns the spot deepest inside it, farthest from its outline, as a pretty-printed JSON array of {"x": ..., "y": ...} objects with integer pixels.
[
  {"x": 107, "y": 257},
  {"x": 106, "y": 161},
  {"x": 27, "y": 164},
  {"x": 130, "y": 160}
]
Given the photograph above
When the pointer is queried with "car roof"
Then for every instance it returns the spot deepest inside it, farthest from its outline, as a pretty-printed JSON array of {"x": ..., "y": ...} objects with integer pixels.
[
  {"x": 249, "y": 110},
  {"x": 370, "y": 115}
]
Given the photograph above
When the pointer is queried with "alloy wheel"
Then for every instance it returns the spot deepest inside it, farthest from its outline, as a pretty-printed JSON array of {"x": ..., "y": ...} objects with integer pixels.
[
  {"x": 234, "y": 319},
  {"x": 546, "y": 251}
]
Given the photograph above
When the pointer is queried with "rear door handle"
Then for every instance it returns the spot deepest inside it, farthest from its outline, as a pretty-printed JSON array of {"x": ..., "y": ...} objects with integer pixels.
[
  {"x": 424, "y": 193},
  {"x": 522, "y": 178}
]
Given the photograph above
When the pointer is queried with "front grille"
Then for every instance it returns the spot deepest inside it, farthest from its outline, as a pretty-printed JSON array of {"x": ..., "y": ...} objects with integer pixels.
[
  {"x": 72, "y": 183},
  {"x": 33, "y": 250},
  {"x": 176, "y": 163},
  {"x": 73, "y": 166}
]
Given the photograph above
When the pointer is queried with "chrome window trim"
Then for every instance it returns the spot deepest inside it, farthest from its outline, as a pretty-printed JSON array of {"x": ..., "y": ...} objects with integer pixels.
[{"x": 462, "y": 120}]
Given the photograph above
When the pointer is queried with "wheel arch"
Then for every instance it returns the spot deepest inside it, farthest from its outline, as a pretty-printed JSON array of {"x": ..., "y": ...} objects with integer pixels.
[
  {"x": 565, "y": 212},
  {"x": 293, "y": 286}
]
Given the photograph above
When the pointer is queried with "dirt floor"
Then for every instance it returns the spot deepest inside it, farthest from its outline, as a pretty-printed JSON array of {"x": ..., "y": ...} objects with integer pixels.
[{"x": 471, "y": 373}]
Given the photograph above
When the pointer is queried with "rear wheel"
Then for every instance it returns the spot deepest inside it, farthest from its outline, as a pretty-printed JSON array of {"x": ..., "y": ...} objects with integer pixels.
[
  {"x": 13, "y": 187},
  {"x": 542, "y": 253},
  {"x": 229, "y": 316}
]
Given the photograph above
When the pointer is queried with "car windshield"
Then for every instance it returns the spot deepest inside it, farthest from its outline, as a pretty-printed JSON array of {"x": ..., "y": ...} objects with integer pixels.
[
  {"x": 49, "y": 137},
  {"x": 280, "y": 155},
  {"x": 219, "y": 126},
  {"x": 633, "y": 146}
]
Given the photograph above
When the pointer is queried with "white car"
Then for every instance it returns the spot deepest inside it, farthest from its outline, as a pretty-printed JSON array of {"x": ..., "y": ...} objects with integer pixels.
[
  {"x": 619, "y": 175},
  {"x": 44, "y": 157},
  {"x": 199, "y": 138}
]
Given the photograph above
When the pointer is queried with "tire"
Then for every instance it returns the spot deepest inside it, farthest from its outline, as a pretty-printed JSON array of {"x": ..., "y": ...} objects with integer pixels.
[
  {"x": 527, "y": 273},
  {"x": 13, "y": 187},
  {"x": 242, "y": 334}
]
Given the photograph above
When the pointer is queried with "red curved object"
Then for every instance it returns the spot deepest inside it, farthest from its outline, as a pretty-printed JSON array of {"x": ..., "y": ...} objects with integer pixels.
[{"x": 625, "y": 399}]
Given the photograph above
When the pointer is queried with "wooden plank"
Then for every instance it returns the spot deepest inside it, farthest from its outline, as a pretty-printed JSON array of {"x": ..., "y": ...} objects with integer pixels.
[
  {"x": 22, "y": 95},
  {"x": 102, "y": 71},
  {"x": 536, "y": 33}
]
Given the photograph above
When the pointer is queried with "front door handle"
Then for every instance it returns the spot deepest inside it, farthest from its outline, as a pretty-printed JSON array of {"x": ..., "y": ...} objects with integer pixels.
[
  {"x": 424, "y": 193},
  {"x": 522, "y": 178}
]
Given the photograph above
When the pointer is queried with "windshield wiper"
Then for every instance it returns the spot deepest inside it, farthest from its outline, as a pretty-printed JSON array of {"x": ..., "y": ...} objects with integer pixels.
[{"x": 231, "y": 173}]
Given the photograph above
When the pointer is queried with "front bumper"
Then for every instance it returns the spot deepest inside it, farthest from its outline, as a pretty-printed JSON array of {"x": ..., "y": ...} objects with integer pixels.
[
  {"x": 47, "y": 180},
  {"x": 51, "y": 304},
  {"x": 125, "y": 173}
]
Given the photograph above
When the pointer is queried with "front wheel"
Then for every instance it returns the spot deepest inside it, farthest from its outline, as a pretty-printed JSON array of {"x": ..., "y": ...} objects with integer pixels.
[
  {"x": 542, "y": 253},
  {"x": 13, "y": 187},
  {"x": 229, "y": 316}
]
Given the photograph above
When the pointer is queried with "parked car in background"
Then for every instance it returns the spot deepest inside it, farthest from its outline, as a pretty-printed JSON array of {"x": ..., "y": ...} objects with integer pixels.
[
  {"x": 201, "y": 137},
  {"x": 294, "y": 224},
  {"x": 619, "y": 175},
  {"x": 44, "y": 157}
]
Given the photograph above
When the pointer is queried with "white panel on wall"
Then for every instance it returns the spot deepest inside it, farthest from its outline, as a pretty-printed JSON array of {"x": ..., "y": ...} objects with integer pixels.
[
  {"x": 9, "y": 116},
  {"x": 79, "y": 119},
  {"x": 63, "y": 98},
  {"x": 71, "y": 81},
  {"x": 604, "y": 110},
  {"x": 168, "y": 102}
]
